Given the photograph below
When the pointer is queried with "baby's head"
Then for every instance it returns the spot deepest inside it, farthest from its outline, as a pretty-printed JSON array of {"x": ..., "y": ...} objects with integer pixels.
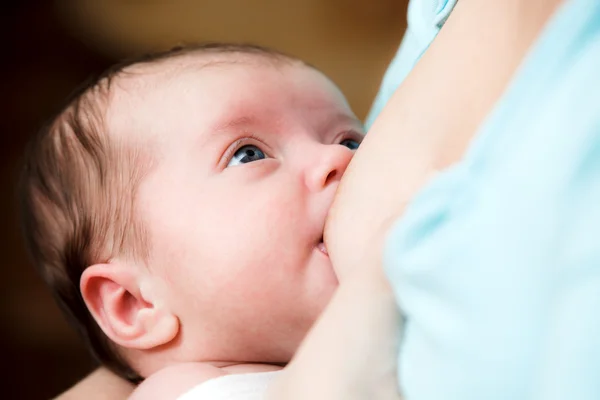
[{"x": 176, "y": 206}]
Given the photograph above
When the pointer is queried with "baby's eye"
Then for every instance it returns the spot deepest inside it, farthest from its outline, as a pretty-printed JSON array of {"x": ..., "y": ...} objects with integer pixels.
[
  {"x": 246, "y": 154},
  {"x": 350, "y": 143}
]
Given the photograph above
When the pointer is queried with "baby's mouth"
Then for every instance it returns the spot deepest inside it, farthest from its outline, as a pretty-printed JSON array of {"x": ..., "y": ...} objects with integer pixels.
[{"x": 321, "y": 247}]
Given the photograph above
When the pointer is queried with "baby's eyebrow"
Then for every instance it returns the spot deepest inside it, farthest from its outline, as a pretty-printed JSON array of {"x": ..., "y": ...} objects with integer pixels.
[
  {"x": 234, "y": 123},
  {"x": 228, "y": 125},
  {"x": 344, "y": 118},
  {"x": 246, "y": 121}
]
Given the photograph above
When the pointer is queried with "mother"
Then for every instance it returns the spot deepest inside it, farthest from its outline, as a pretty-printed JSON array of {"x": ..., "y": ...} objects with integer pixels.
[
  {"x": 495, "y": 264},
  {"x": 425, "y": 127}
]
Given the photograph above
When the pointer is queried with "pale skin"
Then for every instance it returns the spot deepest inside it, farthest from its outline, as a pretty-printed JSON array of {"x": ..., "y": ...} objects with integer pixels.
[
  {"x": 401, "y": 144},
  {"x": 247, "y": 154},
  {"x": 430, "y": 120}
]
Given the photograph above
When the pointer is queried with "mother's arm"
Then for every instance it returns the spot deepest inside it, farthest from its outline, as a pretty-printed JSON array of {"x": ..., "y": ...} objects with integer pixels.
[
  {"x": 432, "y": 117},
  {"x": 99, "y": 385},
  {"x": 350, "y": 353}
]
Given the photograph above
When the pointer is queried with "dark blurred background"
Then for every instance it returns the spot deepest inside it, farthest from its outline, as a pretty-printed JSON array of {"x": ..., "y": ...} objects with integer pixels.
[{"x": 51, "y": 46}]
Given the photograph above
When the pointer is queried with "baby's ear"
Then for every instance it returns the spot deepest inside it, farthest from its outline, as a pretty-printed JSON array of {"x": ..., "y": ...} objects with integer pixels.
[{"x": 128, "y": 316}]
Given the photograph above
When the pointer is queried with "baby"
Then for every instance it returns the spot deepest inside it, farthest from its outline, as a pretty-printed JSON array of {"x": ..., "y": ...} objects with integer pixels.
[{"x": 176, "y": 208}]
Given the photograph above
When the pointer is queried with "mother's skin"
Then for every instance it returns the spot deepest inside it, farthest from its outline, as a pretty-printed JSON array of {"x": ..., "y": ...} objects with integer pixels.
[
  {"x": 425, "y": 127},
  {"x": 430, "y": 120}
]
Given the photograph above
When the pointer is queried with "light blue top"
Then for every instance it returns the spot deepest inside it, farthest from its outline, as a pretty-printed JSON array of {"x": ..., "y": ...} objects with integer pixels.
[
  {"x": 425, "y": 18},
  {"x": 496, "y": 263}
]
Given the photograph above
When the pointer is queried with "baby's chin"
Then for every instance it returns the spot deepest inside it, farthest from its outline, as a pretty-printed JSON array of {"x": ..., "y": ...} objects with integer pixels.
[{"x": 322, "y": 277}]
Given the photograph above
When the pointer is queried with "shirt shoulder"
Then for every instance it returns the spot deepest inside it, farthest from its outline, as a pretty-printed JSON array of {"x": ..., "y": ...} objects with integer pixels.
[{"x": 252, "y": 386}]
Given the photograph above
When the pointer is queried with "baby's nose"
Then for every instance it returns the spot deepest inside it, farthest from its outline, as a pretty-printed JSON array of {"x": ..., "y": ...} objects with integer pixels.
[{"x": 329, "y": 166}]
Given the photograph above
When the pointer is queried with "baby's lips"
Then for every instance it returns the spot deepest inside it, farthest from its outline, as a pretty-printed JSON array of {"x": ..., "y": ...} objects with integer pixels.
[{"x": 322, "y": 248}]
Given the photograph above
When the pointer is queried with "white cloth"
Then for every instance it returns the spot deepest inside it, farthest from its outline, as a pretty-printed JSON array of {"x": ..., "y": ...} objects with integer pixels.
[{"x": 232, "y": 387}]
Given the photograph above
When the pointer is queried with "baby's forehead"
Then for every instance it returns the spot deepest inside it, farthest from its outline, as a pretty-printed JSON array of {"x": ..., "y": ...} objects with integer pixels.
[
  {"x": 137, "y": 86},
  {"x": 195, "y": 92},
  {"x": 150, "y": 74},
  {"x": 146, "y": 85}
]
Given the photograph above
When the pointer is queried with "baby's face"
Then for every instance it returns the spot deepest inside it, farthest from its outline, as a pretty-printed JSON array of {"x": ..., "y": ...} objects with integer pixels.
[{"x": 249, "y": 158}]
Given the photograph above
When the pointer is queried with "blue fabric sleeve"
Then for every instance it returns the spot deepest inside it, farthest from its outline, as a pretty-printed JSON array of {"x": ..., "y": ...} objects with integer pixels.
[
  {"x": 425, "y": 19},
  {"x": 496, "y": 263}
]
